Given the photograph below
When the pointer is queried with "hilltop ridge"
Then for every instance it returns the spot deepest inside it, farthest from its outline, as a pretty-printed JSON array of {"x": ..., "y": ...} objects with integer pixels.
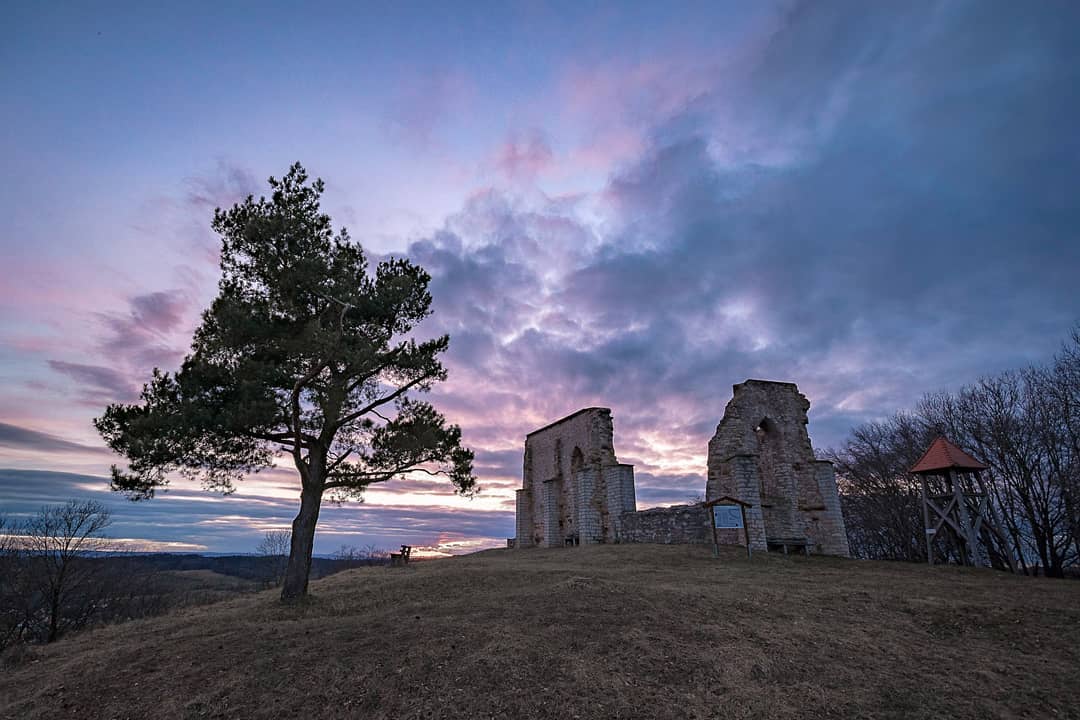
[{"x": 623, "y": 631}]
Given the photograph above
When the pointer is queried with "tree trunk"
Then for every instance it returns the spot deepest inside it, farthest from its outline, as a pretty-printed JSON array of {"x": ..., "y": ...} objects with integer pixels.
[
  {"x": 303, "y": 542},
  {"x": 54, "y": 618}
]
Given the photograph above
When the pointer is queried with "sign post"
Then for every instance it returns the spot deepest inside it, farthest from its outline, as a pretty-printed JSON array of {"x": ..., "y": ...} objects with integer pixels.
[{"x": 728, "y": 513}]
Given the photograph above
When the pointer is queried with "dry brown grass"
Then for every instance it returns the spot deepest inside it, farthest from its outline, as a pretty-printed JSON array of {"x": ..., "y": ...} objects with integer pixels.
[{"x": 601, "y": 632}]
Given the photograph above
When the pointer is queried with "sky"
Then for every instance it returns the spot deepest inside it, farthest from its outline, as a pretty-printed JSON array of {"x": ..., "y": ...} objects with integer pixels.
[{"x": 628, "y": 206}]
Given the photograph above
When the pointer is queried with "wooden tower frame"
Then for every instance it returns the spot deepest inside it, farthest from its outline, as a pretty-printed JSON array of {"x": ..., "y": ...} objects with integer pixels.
[{"x": 963, "y": 508}]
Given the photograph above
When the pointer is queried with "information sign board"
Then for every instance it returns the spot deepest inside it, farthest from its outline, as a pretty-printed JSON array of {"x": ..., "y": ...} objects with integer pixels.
[{"x": 726, "y": 517}]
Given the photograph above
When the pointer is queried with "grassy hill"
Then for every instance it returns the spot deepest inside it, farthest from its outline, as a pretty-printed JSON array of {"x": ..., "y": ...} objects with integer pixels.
[{"x": 600, "y": 632}]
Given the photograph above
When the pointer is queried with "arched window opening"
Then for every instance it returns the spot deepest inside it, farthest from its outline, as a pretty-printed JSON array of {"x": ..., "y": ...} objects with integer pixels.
[{"x": 577, "y": 461}]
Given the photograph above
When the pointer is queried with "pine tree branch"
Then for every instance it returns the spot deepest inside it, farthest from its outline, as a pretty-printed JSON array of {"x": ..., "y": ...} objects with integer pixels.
[
  {"x": 370, "y": 478},
  {"x": 380, "y": 402},
  {"x": 338, "y": 461},
  {"x": 388, "y": 360}
]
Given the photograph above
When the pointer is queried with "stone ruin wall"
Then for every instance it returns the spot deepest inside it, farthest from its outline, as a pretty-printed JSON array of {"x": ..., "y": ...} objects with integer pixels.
[
  {"x": 573, "y": 485},
  {"x": 761, "y": 454},
  {"x": 675, "y": 525}
]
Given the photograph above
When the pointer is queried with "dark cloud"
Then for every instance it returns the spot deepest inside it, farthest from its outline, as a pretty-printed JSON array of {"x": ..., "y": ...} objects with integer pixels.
[
  {"x": 877, "y": 206},
  {"x": 141, "y": 338},
  {"x": 151, "y": 334},
  {"x": 499, "y": 463},
  {"x": 20, "y": 438},
  {"x": 159, "y": 311},
  {"x": 97, "y": 384},
  {"x": 228, "y": 184}
]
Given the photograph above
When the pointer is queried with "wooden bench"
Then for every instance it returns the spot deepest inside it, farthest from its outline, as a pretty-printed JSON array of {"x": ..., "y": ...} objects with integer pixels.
[
  {"x": 401, "y": 559},
  {"x": 785, "y": 543}
]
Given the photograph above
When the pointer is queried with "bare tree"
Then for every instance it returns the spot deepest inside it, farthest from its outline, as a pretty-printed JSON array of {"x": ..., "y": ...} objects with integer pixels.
[
  {"x": 275, "y": 546},
  {"x": 880, "y": 497},
  {"x": 59, "y": 543},
  {"x": 7, "y": 533},
  {"x": 12, "y": 615},
  {"x": 352, "y": 556},
  {"x": 376, "y": 555},
  {"x": 1007, "y": 422},
  {"x": 1024, "y": 424},
  {"x": 1061, "y": 383}
]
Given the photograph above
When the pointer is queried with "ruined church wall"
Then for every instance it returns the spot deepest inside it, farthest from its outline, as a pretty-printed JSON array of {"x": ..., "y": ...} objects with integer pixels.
[
  {"x": 620, "y": 496},
  {"x": 574, "y": 488},
  {"x": 589, "y": 522},
  {"x": 678, "y": 524},
  {"x": 554, "y": 502},
  {"x": 761, "y": 454},
  {"x": 550, "y": 448},
  {"x": 744, "y": 478},
  {"x": 523, "y": 528},
  {"x": 828, "y": 528}
]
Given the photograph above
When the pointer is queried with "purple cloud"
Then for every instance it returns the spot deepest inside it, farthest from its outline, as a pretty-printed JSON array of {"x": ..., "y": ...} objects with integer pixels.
[
  {"x": 98, "y": 385},
  {"x": 21, "y": 438},
  {"x": 141, "y": 337},
  {"x": 228, "y": 184}
]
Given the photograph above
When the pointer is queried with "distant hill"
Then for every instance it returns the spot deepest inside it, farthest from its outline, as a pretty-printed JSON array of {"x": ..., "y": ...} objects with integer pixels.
[
  {"x": 618, "y": 631},
  {"x": 248, "y": 567}
]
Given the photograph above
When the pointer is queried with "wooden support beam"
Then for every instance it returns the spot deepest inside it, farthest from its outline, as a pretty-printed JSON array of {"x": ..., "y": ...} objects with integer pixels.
[
  {"x": 926, "y": 525},
  {"x": 968, "y": 540},
  {"x": 944, "y": 516}
]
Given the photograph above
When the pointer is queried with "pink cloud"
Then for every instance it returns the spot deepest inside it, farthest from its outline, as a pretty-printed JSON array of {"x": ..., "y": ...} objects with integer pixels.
[{"x": 523, "y": 156}]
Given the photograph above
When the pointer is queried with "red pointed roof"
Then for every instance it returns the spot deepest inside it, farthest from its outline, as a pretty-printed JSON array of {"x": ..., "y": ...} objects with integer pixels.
[{"x": 943, "y": 455}]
